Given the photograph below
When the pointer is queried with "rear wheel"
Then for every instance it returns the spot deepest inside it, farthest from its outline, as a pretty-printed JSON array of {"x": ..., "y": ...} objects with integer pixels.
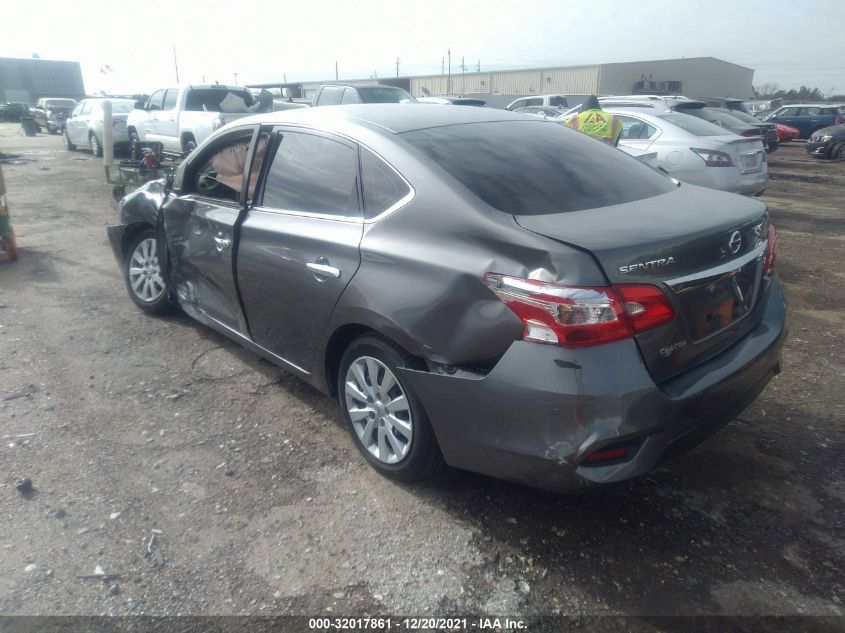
[
  {"x": 385, "y": 418},
  {"x": 68, "y": 145},
  {"x": 96, "y": 148},
  {"x": 143, "y": 276}
]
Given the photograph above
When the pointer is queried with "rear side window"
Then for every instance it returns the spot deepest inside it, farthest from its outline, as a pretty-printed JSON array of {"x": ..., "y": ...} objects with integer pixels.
[
  {"x": 350, "y": 96},
  {"x": 535, "y": 168},
  {"x": 170, "y": 99},
  {"x": 313, "y": 174},
  {"x": 220, "y": 99},
  {"x": 330, "y": 95},
  {"x": 559, "y": 102},
  {"x": 383, "y": 187}
]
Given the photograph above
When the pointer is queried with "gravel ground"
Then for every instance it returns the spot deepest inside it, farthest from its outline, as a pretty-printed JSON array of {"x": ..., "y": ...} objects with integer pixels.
[{"x": 259, "y": 503}]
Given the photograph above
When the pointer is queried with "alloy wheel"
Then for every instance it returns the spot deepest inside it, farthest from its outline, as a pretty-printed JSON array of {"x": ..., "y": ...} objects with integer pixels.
[
  {"x": 95, "y": 145},
  {"x": 379, "y": 409},
  {"x": 145, "y": 272}
]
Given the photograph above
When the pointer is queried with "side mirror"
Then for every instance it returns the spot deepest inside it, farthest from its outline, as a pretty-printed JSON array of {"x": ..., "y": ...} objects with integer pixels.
[{"x": 139, "y": 105}]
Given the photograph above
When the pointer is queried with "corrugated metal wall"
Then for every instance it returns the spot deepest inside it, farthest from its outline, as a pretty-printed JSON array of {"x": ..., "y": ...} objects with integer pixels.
[
  {"x": 38, "y": 78},
  {"x": 700, "y": 77},
  {"x": 575, "y": 80}
]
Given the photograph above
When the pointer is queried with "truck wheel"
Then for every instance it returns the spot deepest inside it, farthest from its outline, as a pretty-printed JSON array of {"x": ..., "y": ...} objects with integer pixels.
[{"x": 189, "y": 146}]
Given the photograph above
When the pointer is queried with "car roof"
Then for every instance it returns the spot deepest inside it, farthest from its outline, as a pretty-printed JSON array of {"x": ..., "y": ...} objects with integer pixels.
[
  {"x": 811, "y": 105},
  {"x": 395, "y": 118},
  {"x": 342, "y": 85}
]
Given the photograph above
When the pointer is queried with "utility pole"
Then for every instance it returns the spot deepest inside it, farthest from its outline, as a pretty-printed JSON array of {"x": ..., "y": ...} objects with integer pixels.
[
  {"x": 449, "y": 76},
  {"x": 175, "y": 64},
  {"x": 463, "y": 68},
  {"x": 443, "y": 65},
  {"x": 397, "y": 66},
  {"x": 335, "y": 71},
  {"x": 478, "y": 66},
  {"x": 236, "y": 78}
]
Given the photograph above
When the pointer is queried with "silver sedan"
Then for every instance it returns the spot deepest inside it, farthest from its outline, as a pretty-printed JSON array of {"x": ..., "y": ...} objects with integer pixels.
[
  {"x": 695, "y": 151},
  {"x": 84, "y": 127}
]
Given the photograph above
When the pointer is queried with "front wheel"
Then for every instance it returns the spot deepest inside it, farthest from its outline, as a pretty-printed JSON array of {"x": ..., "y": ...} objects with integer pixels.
[
  {"x": 189, "y": 146},
  {"x": 838, "y": 151},
  {"x": 68, "y": 145},
  {"x": 143, "y": 276},
  {"x": 386, "y": 420}
]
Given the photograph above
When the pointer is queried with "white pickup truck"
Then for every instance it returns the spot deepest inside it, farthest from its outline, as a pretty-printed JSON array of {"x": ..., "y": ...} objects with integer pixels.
[{"x": 181, "y": 118}]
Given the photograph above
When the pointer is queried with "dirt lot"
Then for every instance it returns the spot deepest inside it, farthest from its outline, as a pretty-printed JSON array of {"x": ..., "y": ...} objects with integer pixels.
[{"x": 135, "y": 424}]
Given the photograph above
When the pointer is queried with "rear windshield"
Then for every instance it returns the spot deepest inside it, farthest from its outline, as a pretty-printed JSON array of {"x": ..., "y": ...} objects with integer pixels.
[
  {"x": 381, "y": 94},
  {"x": 535, "y": 168},
  {"x": 219, "y": 100},
  {"x": 122, "y": 107},
  {"x": 60, "y": 103},
  {"x": 693, "y": 125}
]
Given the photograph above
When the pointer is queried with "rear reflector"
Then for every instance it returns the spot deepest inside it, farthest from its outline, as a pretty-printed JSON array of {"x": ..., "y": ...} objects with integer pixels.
[
  {"x": 612, "y": 454},
  {"x": 575, "y": 316}
]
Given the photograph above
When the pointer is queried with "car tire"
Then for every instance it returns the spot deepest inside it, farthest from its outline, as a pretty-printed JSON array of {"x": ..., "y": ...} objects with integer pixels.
[
  {"x": 142, "y": 274},
  {"x": 383, "y": 415},
  {"x": 189, "y": 146},
  {"x": 96, "y": 146},
  {"x": 838, "y": 151},
  {"x": 68, "y": 145}
]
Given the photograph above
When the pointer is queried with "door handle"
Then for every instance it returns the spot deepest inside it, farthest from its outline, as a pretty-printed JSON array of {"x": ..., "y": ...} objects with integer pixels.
[
  {"x": 321, "y": 269},
  {"x": 221, "y": 241}
]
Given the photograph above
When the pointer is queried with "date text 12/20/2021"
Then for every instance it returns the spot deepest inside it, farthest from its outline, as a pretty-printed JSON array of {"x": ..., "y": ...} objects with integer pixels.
[{"x": 415, "y": 624}]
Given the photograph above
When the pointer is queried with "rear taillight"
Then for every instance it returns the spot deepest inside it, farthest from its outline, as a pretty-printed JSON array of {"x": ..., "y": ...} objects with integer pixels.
[
  {"x": 771, "y": 252},
  {"x": 575, "y": 316},
  {"x": 712, "y": 158},
  {"x": 117, "y": 122},
  {"x": 217, "y": 123}
]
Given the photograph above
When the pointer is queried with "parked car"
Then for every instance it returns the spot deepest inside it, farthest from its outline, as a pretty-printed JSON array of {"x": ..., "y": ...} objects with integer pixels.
[
  {"x": 695, "y": 151},
  {"x": 84, "y": 127},
  {"x": 183, "y": 117},
  {"x": 542, "y": 111},
  {"x": 341, "y": 94},
  {"x": 462, "y": 101},
  {"x": 829, "y": 142},
  {"x": 547, "y": 101},
  {"x": 13, "y": 111},
  {"x": 807, "y": 118},
  {"x": 50, "y": 114},
  {"x": 469, "y": 284},
  {"x": 786, "y": 132},
  {"x": 725, "y": 103},
  {"x": 772, "y": 141},
  {"x": 726, "y": 120}
]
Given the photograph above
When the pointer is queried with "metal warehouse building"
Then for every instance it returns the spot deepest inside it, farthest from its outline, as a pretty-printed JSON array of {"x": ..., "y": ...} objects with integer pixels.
[
  {"x": 27, "y": 80},
  {"x": 693, "y": 77}
]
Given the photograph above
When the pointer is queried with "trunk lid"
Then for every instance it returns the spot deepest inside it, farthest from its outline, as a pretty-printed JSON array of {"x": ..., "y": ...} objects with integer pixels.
[
  {"x": 703, "y": 248},
  {"x": 747, "y": 154}
]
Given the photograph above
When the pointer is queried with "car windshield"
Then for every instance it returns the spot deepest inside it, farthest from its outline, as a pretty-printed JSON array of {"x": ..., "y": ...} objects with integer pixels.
[
  {"x": 693, "y": 125},
  {"x": 535, "y": 168},
  {"x": 60, "y": 103},
  {"x": 382, "y": 94},
  {"x": 746, "y": 118}
]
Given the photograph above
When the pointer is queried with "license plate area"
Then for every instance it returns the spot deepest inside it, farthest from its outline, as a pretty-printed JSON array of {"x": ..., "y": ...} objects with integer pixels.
[
  {"x": 718, "y": 302},
  {"x": 750, "y": 161}
]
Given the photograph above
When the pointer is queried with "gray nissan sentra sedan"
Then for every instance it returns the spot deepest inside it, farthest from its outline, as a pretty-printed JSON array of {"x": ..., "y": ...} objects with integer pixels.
[{"x": 473, "y": 286}]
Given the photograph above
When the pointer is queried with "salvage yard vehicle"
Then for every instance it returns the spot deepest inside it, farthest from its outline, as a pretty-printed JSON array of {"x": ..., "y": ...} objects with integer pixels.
[
  {"x": 548, "y": 101},
  {"x": 183, "y": 117},
  {"x": 461, "y": 101},
  {"x": 84, "y": 127},
  {"x": 541, "y": 111},
  {"x": 770, "y": 129},
  {"x": 50, "y": 114},
  {"x": 342, "y": 94},
  {"x": 786, "y": 133},
  {"x": 808, "y": 118},
  {"x": 828, "y": 143},
  {"x": 469, "y": 285},
  {"x": 695, "y": 151}
]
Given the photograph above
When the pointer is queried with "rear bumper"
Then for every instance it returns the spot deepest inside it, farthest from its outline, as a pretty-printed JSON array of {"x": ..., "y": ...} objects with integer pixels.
[
  {"x": 543, "y": 408},
  {"x": 731, "y": 180}
]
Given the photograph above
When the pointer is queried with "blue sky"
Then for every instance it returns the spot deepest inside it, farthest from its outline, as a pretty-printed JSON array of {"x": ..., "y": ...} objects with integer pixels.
[{"x": 790, "y": 44}]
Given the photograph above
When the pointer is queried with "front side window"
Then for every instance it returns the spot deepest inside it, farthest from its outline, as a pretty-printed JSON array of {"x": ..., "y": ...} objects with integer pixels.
[
  {"x": 86, "y": 109},
  {"x": 156, "y": 100},
  {"x": 383, "y": 187},
  {"x": 222, "y": 174},
  {"x": 330, "y": 95},
  {"x": 313, "y": 174},
  {"x": 222, "y": 99},
  {"x": 536, "y": 168}
]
